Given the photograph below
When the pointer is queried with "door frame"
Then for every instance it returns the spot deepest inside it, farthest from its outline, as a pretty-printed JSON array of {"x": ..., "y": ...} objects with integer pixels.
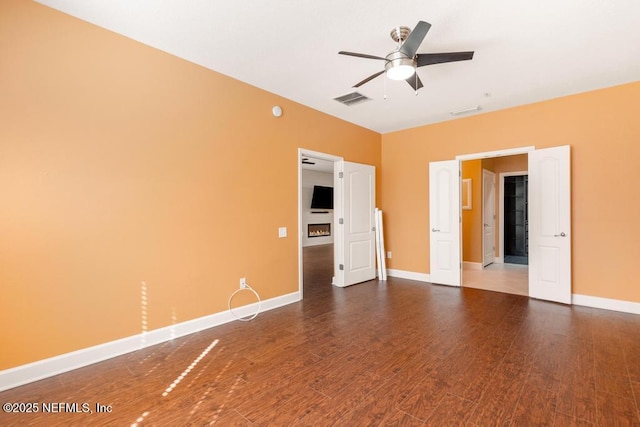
[
  {"x": 486, "y": 155},
  {"x": 503, "y": 175},
  {"x": 302, "y": 152}
]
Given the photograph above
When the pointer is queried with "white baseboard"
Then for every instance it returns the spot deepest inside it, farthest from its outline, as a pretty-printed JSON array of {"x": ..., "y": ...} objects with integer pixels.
[
  {"x": 41, "y": 369},
  {"x": 467, "y": 265},
  {"x": 606, "y": 303},
  {"x": 402, "y": 274},
  {"x": 576, "y": 299},
  {"x": 498, "y": 260}
]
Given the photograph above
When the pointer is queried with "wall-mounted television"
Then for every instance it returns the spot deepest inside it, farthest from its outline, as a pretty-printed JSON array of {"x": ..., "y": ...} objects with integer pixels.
[{"x": 322, "y": 197}]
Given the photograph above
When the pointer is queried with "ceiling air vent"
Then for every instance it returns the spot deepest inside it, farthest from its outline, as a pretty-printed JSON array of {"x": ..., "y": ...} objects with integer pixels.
[{"x": 352, "y": 98}]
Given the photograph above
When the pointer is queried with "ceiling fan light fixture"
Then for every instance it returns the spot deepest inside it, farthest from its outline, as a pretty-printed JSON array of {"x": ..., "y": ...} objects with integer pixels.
[
  {"x": 400, "y": 72},
  {"x": 399, "y": 67}
]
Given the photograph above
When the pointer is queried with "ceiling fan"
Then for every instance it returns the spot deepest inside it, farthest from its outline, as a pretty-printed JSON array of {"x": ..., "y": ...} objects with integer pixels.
[{"x": 401, "y": 64}]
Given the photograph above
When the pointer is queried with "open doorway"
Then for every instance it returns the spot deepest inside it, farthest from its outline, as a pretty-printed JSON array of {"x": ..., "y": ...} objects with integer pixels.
[
  {"x": 549, "y": 232},
  {"x": 496, "y": 233},
  {"x": 350, "y": 223},
  {"x": 317, "y": 227}
]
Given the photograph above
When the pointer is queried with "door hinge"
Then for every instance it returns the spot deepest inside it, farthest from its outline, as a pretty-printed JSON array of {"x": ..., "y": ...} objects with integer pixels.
[
  {"x": 341, "y": 266},
  {"x": 340, "y": 174},
  {"x": 373, "y": 229},
  {"x": 341, "y": 221}
]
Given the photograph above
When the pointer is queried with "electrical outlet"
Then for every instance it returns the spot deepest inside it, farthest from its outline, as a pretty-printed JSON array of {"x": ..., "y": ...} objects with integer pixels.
[
  {"x": 243, "y": 282},
  {"x": 389, "y": 254}
]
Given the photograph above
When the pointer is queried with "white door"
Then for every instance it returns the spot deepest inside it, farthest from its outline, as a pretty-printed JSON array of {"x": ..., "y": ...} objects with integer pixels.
[
  {"x": 354, "y": 248},
  {"x": 550, "y": 224},
  {"x": 488, "y": 217},
  {"x": 444, "y": 222}
]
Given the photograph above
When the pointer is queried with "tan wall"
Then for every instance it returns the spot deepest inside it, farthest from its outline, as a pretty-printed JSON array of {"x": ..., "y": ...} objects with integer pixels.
[
  {"x": 472, "y": 219},
  {"x": 510, "y": 164},
  {"x": 603, "y": 131},
  {"x": 121, "y": 164}
]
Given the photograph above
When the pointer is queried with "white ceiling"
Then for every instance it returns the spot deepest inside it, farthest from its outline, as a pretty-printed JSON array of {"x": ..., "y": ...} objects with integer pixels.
[
  {"x": 525, "y": 51},
  {"x": 319, "y": 165}
]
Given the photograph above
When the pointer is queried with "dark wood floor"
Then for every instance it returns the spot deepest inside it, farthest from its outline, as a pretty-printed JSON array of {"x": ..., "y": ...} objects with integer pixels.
[{"x": 394, "y": 353}]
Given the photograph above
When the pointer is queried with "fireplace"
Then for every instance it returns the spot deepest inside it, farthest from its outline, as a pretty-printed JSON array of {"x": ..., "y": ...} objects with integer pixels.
[{"x": 318, "y": 230}]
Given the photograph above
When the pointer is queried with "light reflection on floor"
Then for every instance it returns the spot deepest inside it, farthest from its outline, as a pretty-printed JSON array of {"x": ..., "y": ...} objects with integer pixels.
[
  {"x": 189, "y": 369},
  {"x": 143, "y": 314},
  {"x": 140, "y": 419}
]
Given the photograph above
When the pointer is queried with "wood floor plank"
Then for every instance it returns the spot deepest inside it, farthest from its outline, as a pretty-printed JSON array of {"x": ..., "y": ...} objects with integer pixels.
[
  {"x": 401, "y": 419},
  {"x": 549, "y": 362},
  {"x": 612, "y": 376},
  {"x": 377, "y": 406},
  {"x": 636, "y": 392},
  {"x": 632, "y": 358},
  {"x": 451, "y": 411},
  {"x": 424, "y": 398},
  {"x": 536, "y": 407},
  {"x": 577, "y": 399},
  {"x": 564, "y": 420},
  {"x": 614, "y": 410},
  {"x": 474, "y": 379},
  {"x": 577, "y": 392},
  {"x": 499, "y": 399}
]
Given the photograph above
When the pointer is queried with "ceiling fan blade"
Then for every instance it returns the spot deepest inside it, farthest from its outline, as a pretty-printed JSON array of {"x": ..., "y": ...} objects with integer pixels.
[
  {"x": 371, "y": 77},
  {"x": 411, "y": 45},
  {"x": 361, "y": 55},
  {"x": 415, "y": 82},
  {"x": 423, "y": 59}
]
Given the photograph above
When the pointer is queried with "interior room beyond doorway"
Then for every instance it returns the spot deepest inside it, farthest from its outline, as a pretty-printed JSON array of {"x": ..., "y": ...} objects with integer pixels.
[
  {"x": 496, "y": 275},
  {"x": 317, "y": 220}
]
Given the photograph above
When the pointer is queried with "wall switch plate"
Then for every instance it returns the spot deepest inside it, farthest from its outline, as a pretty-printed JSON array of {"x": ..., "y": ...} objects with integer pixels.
[
  {"x": 243, "y": 282},
  {"x": 388, "y": 254},
  {"x": 282, "y": 232}
]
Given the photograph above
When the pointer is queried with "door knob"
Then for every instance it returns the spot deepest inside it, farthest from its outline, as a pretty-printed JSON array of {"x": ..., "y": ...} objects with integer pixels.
[
  {"x": 435, "y": 231},
  {"x": 563, "y": 234}
]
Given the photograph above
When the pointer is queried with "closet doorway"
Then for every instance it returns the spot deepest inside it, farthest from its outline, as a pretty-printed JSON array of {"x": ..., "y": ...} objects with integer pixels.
[{"x": 515, "y": 219}]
